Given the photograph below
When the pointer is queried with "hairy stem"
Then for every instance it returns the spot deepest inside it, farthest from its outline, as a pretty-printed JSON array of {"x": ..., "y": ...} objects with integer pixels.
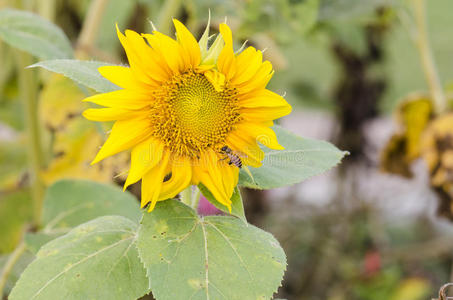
[
  {"x": 426, "y": 56},
  {"x": 90, "y": 28},
  {"x": 10, "y": 263},
  {"x": 28, "y": 87}
]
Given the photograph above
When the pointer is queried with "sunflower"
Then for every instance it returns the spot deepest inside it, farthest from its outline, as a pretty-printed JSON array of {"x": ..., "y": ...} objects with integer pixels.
[{"x": 181, "y": 105}]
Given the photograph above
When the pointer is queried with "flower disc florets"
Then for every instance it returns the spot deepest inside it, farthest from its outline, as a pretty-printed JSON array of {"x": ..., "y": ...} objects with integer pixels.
[{"x": 190, "y": 115}]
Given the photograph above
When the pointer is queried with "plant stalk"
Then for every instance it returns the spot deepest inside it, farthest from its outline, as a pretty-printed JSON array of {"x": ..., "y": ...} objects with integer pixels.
[
  {"x": 169, "y": 10},
  {"x": 429, "y": 66},
  {"x": 90, "y": 28},
  {"x": 28, "y": 86},
  {"x": 47, "y": 9},
  {"x": 12, "y": 260}
]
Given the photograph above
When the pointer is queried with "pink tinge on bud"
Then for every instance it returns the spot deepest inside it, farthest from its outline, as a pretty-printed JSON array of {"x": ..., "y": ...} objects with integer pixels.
[{"x": 205, "y": 208}]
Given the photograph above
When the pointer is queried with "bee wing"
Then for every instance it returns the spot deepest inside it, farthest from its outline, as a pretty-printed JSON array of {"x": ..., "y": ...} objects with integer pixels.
[{"x": 240, "y": 154}]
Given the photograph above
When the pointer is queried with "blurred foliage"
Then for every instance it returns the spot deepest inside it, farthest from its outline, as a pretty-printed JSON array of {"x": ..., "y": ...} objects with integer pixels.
[
  {"x": 11, "y": 172},
  {"x": 15, "y": 213},
  {"x": 74, "y": 139},
  {"x": 345, "y": 253},
  {"x": 437, "y": 151},
  {"x": 423, "y": 134},
  {"x": 412, "y": 115}
]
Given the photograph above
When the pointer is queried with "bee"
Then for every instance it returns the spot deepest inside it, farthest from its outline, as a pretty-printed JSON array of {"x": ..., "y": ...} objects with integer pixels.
[
  {"x": 167, "y": 177},
  {"x": 232, "y": 156}
]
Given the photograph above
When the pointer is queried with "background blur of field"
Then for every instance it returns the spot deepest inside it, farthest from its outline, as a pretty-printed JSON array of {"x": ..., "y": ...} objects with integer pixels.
[{"x": 353, "y": 233}]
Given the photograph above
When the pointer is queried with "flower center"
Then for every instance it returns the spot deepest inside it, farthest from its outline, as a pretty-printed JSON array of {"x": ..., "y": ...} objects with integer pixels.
[{"x": 190, "y": 115}]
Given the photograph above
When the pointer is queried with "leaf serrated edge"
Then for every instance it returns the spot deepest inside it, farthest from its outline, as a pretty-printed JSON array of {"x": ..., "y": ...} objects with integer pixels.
[
  {"x": 143, "y": 263},
  {"x": 339, "y": 160}
]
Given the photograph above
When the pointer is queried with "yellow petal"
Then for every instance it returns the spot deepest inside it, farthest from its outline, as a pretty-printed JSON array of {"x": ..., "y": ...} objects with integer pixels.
[
  {"x": 127, "y": 99},
  {"x": 188, "y": 43},
  {"x": 109, "y": 114},
  {"x": 144, "y": 157},
  {"x": 152, "y": 182},
  {"x": 122, "y": 77},
  {"x": 142, "y": 58},
  {"x": 262, "y": 134},
  {"x": 226, "y": 62},
  {"x": 217, "y": 79},
  {"x": 181, "y": 176},
  {"x": 169, "y": 49},
  {"x": 247, "y": 63},
  {"x": 262, "y": 98},
  {"x": 124, "y": 135},
  {"x": 219, "y": 177},
  {"x": 253, "y": 155},
  {"x": 259, "y": 80},
  {"x": 261, "y": 114}
]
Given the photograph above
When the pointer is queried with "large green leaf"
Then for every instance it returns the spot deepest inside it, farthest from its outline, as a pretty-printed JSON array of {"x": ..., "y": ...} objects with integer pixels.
[
  {"x": 83, "y": 72},
  {"x": 96, "y": 260},
  {"x": 218, "y": 257},
  {"x": 35, "y": 240},
  {"x": 69, "y": 203},
  {"x": 33, "y": 34},
  {"x": 237, "y": 207},
  {"x": 301, "y": 159}
]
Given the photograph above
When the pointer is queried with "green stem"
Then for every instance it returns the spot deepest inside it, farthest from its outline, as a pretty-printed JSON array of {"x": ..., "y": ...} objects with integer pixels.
[
  {"x": 429, "y": 67},
  {"x": 28, "y": 87},
  {"x": 47, "y": 9},
  {"x": 90, "y": 28},
  {"x": 169, "y": 10},
  {"x": 195, "y": 199},
  {"x": 12, "y": 260},
  {"x": 186, "y": 195}
]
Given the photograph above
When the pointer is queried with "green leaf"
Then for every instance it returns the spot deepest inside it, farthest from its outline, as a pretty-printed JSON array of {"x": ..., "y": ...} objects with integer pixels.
[
  {"x": 237, "y": 207},
  {"x": 96, "y": 260},
  {"x": 301, "y": 159},
  {"x": 35, "y": 240},
  {"x": 215, "y": 257},
  {"x": 69, "y": 203},
  {"x": 33, "y": 34},
  {"x": 83, "y": 72}
]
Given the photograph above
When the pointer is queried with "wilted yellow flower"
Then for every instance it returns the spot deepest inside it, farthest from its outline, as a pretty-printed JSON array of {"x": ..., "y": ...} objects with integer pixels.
[{"x": 181, "y": 104}]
